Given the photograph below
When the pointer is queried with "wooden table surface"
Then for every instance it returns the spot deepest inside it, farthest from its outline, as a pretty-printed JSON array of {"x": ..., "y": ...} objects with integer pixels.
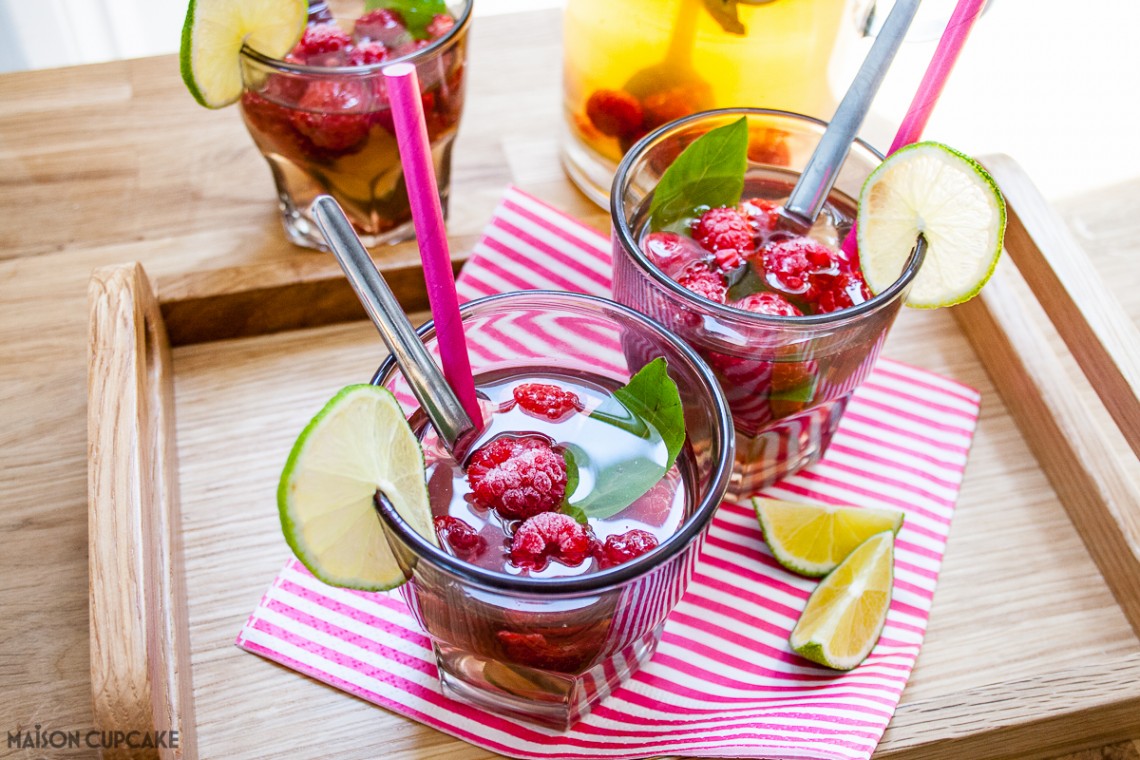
[{"x": 114, "y": 162}]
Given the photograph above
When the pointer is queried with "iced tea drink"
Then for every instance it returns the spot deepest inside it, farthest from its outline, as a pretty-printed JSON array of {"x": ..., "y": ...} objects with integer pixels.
[
  {"x": 535, "y": 610},
  {"x": 784, "y": 319},
  {"x": 321, "y": 118},
  {"x": 630, "y": 66}
]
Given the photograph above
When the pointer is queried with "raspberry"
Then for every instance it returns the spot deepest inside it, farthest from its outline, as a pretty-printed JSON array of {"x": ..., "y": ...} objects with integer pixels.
[
  {"x": 843, "y": 292},
  {"x": 614, "y": 112},
  {"x": 762, "y": 214},
  {"x": 546, "y": 401},
  {"x": 669, "y": 251},
  {"x": 383, "y": 25},
  {"x": 465, "y": 541},
  {"x": 519, "y": 477},
  {"x": 703, "y": 281},
  {"x": 368, "y": 53},
  {"x": 623, "y": 548},
  {"x": 799, "y": 266},
  {"x": 440, "y": 25},
  {"x": 327, "y": 119},
  {"x": 724, "y": 233},
  {"x": 550, "y": 535},
  {"x": 767, "y": 145},
  {"x": 772, "y": 304},
  {"x": 671, "y": 104},
  {"x": 320, "y": 40}
]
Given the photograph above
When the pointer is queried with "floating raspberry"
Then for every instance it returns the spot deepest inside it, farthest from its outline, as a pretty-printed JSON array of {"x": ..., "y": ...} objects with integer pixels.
[
  {"x": 623, "y": 548},
  {"x": 546, "y": 401},
  {"x": 440, "y": 25},
  {"x": 655, "y": 506},
  {"x": 614, "y": 112},
  {"x": 670, "y": 252},
  {"x": 843, "y": 292},
  {"x": 703, "y": 281},
  {"x": 799, "y": 266},
  {"x": 319, "y": 40},
  {"x": 331, "y": 117},
  {"x": 670, "y": 104},
  {"x": 769, "y": 303},
  {"x": 550, "y": 535},
  {"x": 519, "y": 477},
  {"x": 465, "y": 541},
  {"x": 724, "y": 233},
  {"x": 368, "y": 53},
  {"x": 762, "y": 214},
  {"x": 383, "y": 25}
]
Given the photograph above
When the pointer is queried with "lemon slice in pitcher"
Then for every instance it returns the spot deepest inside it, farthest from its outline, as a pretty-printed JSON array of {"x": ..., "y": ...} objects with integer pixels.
[
  {"x": 952, "y": 200},
  {"x": 215, "y": 30},
  {"x": 358, "y": 444},
  {"x": 812, "y": 539},
  {"x": 845, "y": 615}
]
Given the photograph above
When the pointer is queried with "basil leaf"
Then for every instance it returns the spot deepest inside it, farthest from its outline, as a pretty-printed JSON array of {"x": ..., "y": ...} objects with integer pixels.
[
  {"x": 725, "y": 14},
  {"x": 708, "y": 173},
  {"x": 571, "y": 474},
  {"x": 648, "y": 407},
  {"x": 652, "y": 395},
  {"x": 417, "y": 13}
]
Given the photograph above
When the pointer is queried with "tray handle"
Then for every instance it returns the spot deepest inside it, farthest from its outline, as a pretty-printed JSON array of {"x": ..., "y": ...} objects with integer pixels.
[
  {"x": 1088, "y": 475},
  {"x": 140, "y": 653}
]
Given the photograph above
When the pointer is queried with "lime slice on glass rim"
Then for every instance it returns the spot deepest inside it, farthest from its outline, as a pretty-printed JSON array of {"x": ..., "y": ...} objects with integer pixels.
[
  {"x": 812, "y": 539},
  {"x": 359, "y": 443},
  {"x": 845, "y": 615},
  {"x": 215, "y": 30},
  {"x": 952, "y": 200}
]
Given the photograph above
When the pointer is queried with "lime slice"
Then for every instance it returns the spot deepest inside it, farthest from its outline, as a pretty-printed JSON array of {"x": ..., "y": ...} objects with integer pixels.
[
  {"x": 956, "y": 205},
  {"x": 845, "y": 614},
  {"x": 214, "y": 32},
  {"x": 358, "y": 444},
  {"x": 811, "y": 539}
]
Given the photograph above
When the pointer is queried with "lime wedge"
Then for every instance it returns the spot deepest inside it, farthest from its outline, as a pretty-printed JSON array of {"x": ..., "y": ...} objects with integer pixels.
[
  {"x": 358, "y": 444},
  {"x": 214, "y": 32},
  {"x": 845, "y": 614},
  {"x": 948, "y": 197},
  {"x": 811, "y": 539}
]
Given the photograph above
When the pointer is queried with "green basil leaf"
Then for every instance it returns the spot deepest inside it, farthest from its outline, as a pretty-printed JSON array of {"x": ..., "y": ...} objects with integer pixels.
[
  {"x": 571, "y": 474},
  {"x": 725, "y": 14},
  {"x": 708, "y": 173},
  {"x": 417, "y": 13},
  {"x": 653, "y": 396},
  {"x": 648, "y": 407}
]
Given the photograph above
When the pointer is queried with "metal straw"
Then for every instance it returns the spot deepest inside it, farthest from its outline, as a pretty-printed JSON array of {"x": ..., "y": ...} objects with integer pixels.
[
  {"x": 822, "y": 169},
  {"x": 427, "y": 382}
]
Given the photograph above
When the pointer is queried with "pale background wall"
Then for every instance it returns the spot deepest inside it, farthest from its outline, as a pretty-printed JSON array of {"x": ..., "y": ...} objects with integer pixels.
[{"x": 1055, "y": 83}]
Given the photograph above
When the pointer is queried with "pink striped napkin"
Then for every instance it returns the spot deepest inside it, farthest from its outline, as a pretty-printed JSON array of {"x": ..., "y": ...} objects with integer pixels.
[{"x": 723, "y": 682}]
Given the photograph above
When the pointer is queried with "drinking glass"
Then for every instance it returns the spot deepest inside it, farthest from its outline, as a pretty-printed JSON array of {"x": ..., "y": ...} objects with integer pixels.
[
  {"x": 778, "y": 431},
  {"x": 329, "y": 130},
  {"x": 546, "y": 649},
  {"x": 630, "y": 66}
]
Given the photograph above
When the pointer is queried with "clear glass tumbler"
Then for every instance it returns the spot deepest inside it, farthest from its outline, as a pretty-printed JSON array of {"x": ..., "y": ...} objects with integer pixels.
[
  {"x": 546, "y": 649},
  {"x": 787, "y": 379},
  {"x": 328, "y": 129},
  {"x": 630, "y": 66}
]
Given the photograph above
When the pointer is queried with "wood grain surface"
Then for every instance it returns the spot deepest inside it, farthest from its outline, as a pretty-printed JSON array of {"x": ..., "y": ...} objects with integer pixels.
[
  {"x": 114, "y": 163},
  {"x": 140, "y": 649}
]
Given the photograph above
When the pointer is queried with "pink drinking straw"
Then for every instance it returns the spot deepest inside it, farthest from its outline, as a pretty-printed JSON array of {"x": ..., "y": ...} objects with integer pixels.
[
  {"x": 427, "y": 216},
  {"x": 945, "y": 55}
]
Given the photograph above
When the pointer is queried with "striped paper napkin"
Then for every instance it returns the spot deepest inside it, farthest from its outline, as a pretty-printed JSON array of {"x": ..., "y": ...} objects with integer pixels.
[{"x": 723, "y": 682}]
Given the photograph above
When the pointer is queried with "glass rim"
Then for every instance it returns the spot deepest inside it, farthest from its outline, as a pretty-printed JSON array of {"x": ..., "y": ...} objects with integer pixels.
[
  {"x": 724, "y": 311},
  {"x": 417, "y": 56},
  {"x": 608, "y": 578}
]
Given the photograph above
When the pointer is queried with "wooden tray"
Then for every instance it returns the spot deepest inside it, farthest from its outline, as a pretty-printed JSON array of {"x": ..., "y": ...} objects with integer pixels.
[{"x": 1033, "y": 647}]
